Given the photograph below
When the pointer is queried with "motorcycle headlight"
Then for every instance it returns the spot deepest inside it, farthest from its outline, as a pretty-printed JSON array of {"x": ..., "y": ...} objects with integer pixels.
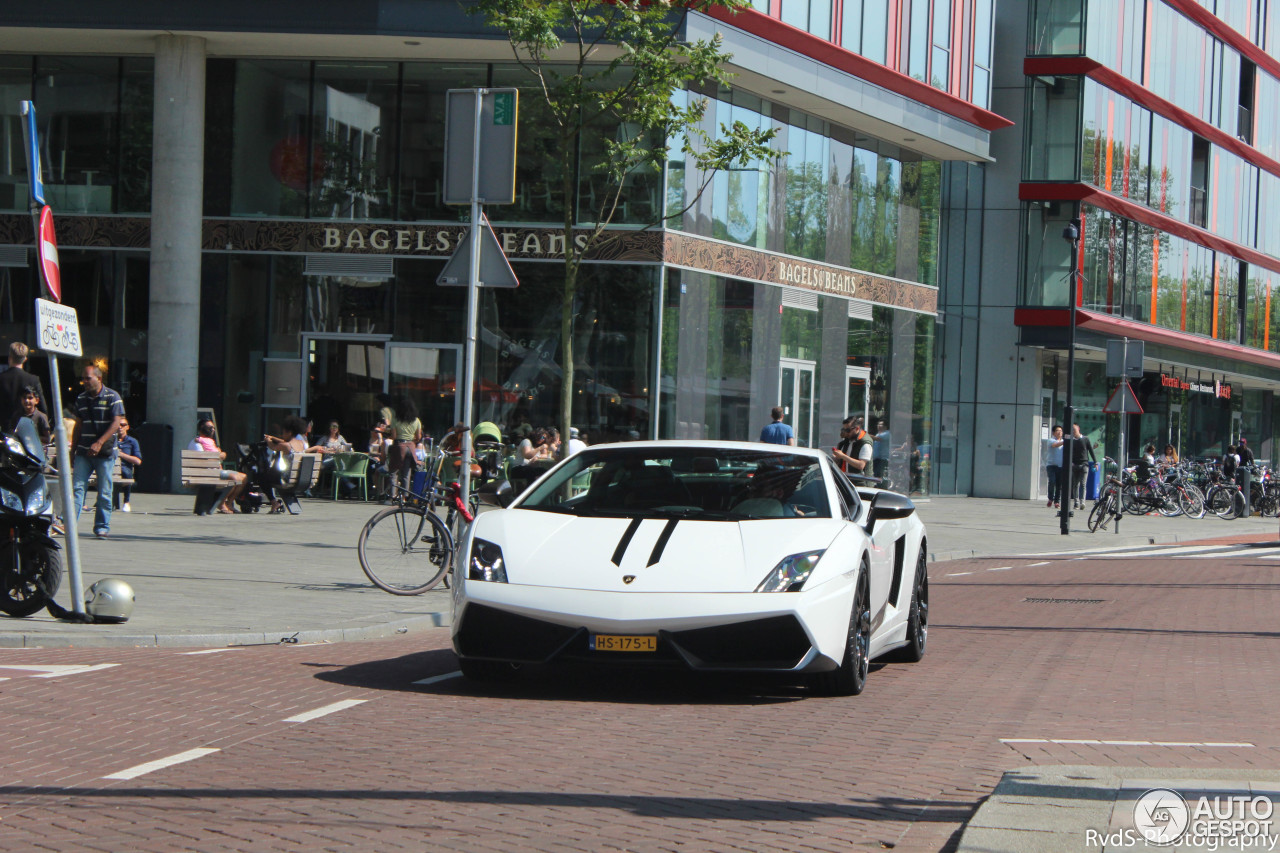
[
  {"x": 486, "y": 562},
  {"x": 36, "y": 501},
  {"x": 12, "y": 500},
  {"x": 790, "y": 574}
]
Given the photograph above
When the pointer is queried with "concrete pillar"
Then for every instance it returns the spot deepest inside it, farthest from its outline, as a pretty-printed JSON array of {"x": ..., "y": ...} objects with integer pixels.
[{"x": 177, "y": 179}]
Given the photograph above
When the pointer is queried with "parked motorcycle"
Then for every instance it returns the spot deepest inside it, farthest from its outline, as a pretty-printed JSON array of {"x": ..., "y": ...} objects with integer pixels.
[{"x": 30, "y": 559}]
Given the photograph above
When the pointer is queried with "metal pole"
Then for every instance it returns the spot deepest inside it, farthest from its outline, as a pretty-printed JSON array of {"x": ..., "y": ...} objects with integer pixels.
[
  {"x": 1072, "y": 235},
  {"x": 1124, "y": 398},
  {"x": 65, "y": 486},
  {"x": 473, "y": 298},
  {"x": 60, "y": 430}
]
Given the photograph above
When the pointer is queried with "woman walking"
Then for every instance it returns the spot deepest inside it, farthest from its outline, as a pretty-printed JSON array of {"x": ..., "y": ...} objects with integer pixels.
[{"x": 406, "y": 432}]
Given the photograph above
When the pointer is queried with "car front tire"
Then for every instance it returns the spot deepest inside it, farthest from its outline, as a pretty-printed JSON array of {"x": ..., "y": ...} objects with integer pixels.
[{"x": 850, "y": 678}]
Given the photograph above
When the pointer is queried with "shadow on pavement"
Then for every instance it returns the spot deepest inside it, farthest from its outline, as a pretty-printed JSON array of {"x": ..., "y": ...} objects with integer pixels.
[
  {"x": 894, "y": 809},
  {"x": 633, "y": 686}
]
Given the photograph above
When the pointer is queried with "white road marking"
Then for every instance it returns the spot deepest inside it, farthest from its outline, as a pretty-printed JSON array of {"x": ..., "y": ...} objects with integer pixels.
[
  {"x": 1123, "y": 742},
  {"x": 959, "y": 574},
  {"x": 212, "y": 651},
  {"x": 1033, "y": 565},
  {"x": 1000, "y": 569},
  {"x": 161, "y": 763},
  {"x": 58, "y": 670},
  {"x": 324, "y": 711},
  {"x": 438, "y": 678}
]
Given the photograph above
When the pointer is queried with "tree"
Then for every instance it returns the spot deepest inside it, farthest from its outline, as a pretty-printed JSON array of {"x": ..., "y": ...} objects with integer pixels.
[{"x": 610, "y": 71}]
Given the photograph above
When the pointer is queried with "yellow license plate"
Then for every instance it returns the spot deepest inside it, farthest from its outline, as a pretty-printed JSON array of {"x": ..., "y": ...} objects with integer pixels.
[{"x": 624, "y": 643}]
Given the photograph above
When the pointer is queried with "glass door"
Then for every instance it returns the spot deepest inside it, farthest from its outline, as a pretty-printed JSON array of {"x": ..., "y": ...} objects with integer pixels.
[
  {"x": 428, "y": 373},
  {"x": 856, "y": 398},
  {"x": 344, "y": 376},
  {"x": 796, "y": 394}
]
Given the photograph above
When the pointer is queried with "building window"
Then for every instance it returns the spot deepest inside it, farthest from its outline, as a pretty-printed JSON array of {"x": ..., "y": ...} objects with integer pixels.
[
  {"x": 1053, "y": 132},
  {"x": 981, "y": 84},
  {"x": 940, "y": 72},
  {"x": 813, "y": 16},
  {"x": 1056, "y": 28},
  {"x": 865, "y": 28}
]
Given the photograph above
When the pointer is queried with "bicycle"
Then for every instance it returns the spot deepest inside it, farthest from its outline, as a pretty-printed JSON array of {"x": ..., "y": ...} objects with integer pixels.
[
  {"x": 1107, "y": 505},
  {"x": 1141, "y": 498},
  {"x": 1224, "y": 497},
  {"x": 394, "y": 543}
]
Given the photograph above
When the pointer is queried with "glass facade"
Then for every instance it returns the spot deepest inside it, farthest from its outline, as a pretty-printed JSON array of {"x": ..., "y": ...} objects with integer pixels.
[
  {"x": 732, "y": 349},
  {"x": 345, "y": 141},
  {"x": 1082, "y": 131},
  {"x": 846, "y": 199},
  {"x": 911, "y": 36},
  {"x": 94, "y": 116}
]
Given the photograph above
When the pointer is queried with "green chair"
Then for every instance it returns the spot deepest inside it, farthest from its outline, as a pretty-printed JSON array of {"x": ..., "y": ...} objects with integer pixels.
[{"x": 351, "y": 466}]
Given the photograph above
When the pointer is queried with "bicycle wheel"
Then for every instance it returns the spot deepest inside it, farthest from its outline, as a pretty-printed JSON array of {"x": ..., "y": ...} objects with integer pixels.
[
  {"x": 1221, "y": 501},
  {"x": 405, "y": 550},
  {"x": 1166, "y": 500},
  {"x": 1191, "y": 501},
  {"x": 1130, "y": 501},
  {"x": 1100, "y": 515}
]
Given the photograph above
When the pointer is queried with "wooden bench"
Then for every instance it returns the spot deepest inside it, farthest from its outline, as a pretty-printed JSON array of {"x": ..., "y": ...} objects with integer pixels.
[
  {"x": 51, "y": 474},
  {"x": 304, "y": 474},
  {"x": 202, "y": 471}
]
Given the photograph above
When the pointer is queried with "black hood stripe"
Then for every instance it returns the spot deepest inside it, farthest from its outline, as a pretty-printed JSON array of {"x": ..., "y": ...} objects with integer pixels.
[
  {"x": 625, "y": 541},
  {"x": 662, "y": 541}
]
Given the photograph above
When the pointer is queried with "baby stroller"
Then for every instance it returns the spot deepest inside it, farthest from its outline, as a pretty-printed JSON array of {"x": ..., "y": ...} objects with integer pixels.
[{"x": 265, "y": 471}]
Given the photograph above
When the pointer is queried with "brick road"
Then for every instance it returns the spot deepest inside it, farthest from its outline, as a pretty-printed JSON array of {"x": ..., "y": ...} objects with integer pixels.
[{"x": 1159, "y": 650}]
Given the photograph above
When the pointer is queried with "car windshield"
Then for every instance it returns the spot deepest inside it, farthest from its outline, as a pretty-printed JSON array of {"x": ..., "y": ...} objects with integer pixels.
[{"x": 714, "y": 484}]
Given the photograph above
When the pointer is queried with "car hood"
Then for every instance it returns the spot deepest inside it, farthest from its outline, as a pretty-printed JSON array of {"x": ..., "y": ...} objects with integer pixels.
[{"x": 557, "y": 550}]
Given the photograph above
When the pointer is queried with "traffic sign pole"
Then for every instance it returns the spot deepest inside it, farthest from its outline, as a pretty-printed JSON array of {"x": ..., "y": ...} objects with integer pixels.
[
  {"x": 36, "y": 187},
  {"x": 473, "y": 298}
]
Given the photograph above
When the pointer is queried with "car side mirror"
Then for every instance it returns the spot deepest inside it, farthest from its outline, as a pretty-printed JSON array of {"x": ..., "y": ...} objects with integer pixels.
[
  {"x": 888, "y": 505},
  {"x": 496, "y": 493}
]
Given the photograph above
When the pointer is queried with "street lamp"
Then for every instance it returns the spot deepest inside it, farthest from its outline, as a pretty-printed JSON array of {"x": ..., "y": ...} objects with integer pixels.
[{"x": 1072, "y": 235}]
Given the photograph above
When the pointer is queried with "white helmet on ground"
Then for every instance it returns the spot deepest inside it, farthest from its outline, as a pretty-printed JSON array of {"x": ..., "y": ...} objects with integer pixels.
[{"x": 109, "y": 600}]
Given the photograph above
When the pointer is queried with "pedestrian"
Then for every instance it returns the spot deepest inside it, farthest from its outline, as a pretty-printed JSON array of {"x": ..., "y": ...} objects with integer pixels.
[
  {"x": 30, "y": 400},
  {"x": 1230, "y": 462},
  {"x": 406, "y": 431},
  {"x": 99, "y": 411},
  {"x": 881, "y": 450},
  {"x": 206, "y": 440},
  {"x": 857, "y": 456},
  {"x": 14, "y": 380},
  {"x": 576, "y": 441},
  {"x": 1170, "y": 455},
  {"x": 777, "y": 432},
  {"x": 130, "y": 458},
  {"x": 1246, "y": 455},
  {"x": 1081, "y": 455},
  {"x": 1053, "y": 466}
]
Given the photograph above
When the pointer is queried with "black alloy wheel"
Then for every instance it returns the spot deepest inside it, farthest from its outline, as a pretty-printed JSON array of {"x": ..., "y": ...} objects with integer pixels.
[
  {"x": 918, "y": 618},
  {"x": 850, "y": 678}
]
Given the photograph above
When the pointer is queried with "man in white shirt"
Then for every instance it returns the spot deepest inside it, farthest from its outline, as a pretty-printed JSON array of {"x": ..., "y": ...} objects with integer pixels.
[{"x": 575, "y": 442}]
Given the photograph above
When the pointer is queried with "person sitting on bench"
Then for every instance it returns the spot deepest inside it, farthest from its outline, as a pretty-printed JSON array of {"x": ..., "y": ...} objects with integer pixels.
[{"x": 205, "y": 440}]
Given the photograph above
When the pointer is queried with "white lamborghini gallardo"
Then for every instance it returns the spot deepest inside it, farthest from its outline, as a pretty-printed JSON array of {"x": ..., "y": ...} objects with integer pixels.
[{"x": 719, "y": 556}]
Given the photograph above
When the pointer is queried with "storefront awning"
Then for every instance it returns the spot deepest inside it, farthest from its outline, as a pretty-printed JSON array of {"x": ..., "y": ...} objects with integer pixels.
[{"x": 1120, "y": 327}]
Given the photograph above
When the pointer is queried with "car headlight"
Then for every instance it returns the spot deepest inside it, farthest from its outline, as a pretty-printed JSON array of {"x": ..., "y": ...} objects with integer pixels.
[
  {"x": 486, "y": 562},
  {"x": 791, "y": 573}
]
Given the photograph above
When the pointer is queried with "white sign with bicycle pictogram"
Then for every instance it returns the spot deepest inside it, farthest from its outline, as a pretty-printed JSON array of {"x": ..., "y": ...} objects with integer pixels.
[{"x": 58, "y": 328}]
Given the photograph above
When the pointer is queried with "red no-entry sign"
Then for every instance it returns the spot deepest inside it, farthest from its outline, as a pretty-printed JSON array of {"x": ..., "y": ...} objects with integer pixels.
[{"x": 47, "y": 245}]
